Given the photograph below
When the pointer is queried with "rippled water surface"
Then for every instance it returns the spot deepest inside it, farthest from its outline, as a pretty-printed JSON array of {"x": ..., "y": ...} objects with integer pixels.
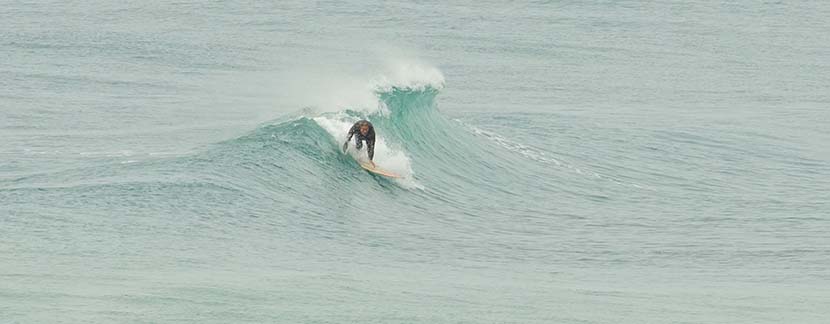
[{"x": 561, "y": 162}]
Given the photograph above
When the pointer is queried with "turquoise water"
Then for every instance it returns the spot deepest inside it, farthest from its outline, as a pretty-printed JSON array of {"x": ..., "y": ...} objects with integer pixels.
[{"x": 563, "y": 162}]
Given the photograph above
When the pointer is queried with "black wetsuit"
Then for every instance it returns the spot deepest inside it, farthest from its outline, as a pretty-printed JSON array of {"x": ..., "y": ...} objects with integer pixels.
[{"x": 369, "y": 137}]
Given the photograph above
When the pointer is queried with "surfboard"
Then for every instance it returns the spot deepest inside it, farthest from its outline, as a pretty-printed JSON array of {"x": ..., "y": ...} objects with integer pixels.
[{"x": 368, "y": 167}]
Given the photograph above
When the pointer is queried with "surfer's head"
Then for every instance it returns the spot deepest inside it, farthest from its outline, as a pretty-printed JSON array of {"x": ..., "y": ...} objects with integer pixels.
[{"x": 364, "y": 129}]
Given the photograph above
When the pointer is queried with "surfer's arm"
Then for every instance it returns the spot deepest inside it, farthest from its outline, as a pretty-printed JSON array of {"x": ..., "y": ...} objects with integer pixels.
[
  {"x": 352, "y": 131},
  {"x": 370, "y": 148}
]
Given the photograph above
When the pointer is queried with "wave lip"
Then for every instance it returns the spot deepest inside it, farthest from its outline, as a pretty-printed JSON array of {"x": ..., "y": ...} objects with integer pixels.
[{"x": 409, "y": 76}]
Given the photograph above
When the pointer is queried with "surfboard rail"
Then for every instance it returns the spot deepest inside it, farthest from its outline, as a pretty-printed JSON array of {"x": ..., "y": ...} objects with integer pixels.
[{"x": 368, "y": 167}]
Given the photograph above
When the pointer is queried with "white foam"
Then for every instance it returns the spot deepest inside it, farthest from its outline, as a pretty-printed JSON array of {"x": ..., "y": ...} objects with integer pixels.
[
  {"x": 385, "y": 157},
  {"x": 409, "y": 75},
  {"x": 540, "y": 156}
]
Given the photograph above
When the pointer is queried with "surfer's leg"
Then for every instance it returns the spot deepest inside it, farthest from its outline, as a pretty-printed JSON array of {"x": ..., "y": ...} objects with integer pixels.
[{"x": 358, "y": 143}]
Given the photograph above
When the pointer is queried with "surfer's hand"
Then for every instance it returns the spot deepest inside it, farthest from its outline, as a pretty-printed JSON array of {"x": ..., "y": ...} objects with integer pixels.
[
  {"x": 345, "y": 146},
  {"x": 373, "y": 164}
]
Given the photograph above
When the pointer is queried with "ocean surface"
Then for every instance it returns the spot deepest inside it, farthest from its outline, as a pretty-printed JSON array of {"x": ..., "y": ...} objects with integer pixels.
[{"x": 562, "y": 162}]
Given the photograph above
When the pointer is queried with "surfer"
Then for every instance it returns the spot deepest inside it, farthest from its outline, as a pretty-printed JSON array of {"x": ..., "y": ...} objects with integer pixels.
[{"x": 364, "y": 131}]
